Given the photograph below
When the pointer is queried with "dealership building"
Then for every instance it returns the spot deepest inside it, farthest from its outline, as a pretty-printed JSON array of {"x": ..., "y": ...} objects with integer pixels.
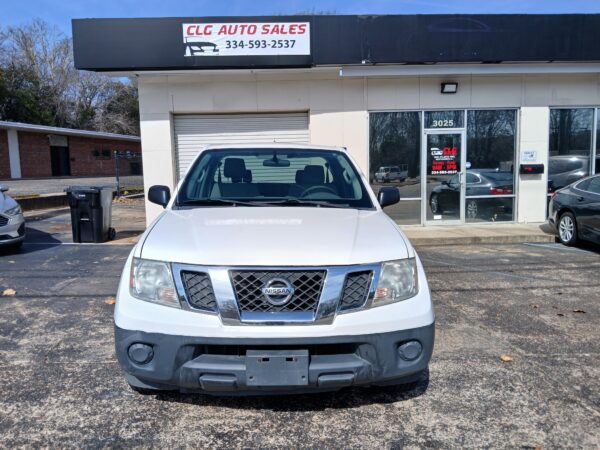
[{"x": 476, "y": 118}]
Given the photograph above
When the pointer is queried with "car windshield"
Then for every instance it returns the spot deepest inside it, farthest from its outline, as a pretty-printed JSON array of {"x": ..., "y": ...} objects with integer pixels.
[{"x": 265, "y": 177}]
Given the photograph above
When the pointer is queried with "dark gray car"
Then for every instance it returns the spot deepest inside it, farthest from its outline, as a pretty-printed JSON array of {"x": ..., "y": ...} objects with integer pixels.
[{"x": 574, "y": 211}]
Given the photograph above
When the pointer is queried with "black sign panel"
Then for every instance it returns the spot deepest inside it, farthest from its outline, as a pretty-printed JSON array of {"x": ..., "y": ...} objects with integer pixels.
[
  {"x": 165, "y": 44},
  {"x": 182, "y": 43}
]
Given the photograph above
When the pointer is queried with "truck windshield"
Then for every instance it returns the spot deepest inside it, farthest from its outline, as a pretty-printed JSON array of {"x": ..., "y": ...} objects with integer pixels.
[{"x": 281, "y": 177}]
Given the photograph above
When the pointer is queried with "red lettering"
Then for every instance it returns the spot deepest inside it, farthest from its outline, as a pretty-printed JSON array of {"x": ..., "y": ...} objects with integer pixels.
[
  {"x": 293, "y": 28},
  {"x": 222, "y": 30},
  {"x": 252, "y": 29},
  {"x": 265, "y": 29},
  {"x": 199, "y": 30},
  {"x": 243, "y": 28},
  {"x": 302, "y": 28},
  {"x": 232, "y": 29},
  {"x": 275, "y": 29}
]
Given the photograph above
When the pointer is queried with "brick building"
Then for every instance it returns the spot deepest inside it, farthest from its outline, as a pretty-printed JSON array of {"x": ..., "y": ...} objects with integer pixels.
[{"x": 37, "y": 151}]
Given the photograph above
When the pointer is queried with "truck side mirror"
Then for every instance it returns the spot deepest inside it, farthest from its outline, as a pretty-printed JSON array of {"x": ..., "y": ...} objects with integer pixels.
[
  {"x": 3, "y": 187},
  {"x": 388, "y": 195},
  {"x": 160, "y": 195}
]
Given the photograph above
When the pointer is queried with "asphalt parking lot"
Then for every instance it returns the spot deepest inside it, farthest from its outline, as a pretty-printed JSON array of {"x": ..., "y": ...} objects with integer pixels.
[{"x": 538, "y": 304}]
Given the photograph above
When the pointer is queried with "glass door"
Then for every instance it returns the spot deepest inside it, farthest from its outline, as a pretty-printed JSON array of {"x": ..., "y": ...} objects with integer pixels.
[{"x": 444, "y": 175}]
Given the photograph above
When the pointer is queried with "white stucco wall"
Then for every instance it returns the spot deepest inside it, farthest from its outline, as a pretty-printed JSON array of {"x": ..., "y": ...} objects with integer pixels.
[{"x": 338, "y": 109}]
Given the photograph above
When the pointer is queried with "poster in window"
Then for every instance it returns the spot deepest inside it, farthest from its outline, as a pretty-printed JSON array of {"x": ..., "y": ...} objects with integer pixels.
[{"x": 444, "y": 161}]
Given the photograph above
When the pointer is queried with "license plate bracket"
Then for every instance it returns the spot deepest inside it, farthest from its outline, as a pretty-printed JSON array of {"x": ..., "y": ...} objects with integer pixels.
[{"x": 277, "y": 368}]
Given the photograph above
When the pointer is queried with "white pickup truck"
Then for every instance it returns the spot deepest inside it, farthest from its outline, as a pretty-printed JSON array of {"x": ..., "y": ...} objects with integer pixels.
[{"x": 272, "y": 269}]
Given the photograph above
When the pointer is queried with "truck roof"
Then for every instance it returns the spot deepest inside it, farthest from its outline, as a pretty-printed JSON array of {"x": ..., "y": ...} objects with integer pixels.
[{"x": 273, "y": 145}]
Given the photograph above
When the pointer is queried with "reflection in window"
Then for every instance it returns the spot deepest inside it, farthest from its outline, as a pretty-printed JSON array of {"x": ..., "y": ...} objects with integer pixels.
[
  {"x": 395, "y": 159},
  {"x": 444, "y": 119},
  {"x": 570, "y": 146},
  {"x": 491, "y": 137}
]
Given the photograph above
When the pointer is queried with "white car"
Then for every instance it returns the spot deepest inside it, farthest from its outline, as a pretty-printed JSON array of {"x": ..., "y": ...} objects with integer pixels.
[
  {"x": 12, "y": 222},
  {"x": 273, "y": 268}
]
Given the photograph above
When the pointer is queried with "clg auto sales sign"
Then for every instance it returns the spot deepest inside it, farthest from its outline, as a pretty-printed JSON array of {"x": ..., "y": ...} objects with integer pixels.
[{"x": 246, "y": 39}]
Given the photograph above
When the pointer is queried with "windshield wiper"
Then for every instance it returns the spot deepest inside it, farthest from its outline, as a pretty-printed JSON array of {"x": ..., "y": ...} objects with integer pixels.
[
  {"x": 299, "y": 202},
  {"x": 217, "y": 201}
]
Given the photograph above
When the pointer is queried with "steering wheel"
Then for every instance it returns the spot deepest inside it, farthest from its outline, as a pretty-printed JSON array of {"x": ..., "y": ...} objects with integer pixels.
[{"x": 313, "y": 189}]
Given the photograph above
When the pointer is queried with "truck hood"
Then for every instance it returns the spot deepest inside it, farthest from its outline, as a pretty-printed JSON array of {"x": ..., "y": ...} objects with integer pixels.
[{"x": 274, "y": 236}]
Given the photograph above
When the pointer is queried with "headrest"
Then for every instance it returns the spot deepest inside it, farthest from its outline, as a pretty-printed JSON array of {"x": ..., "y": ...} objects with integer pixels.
[
  {"x": 247, "y": 176},
  {"x": 299, "y": 174},
  {"x": 313, "y": 175},
  {"x": 235, "y": 168}
]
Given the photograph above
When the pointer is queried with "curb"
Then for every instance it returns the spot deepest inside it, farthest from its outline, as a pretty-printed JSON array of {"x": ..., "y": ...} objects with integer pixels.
[
  {"x": 43, "y": 202},
  {"x": 470, "y": 240}
]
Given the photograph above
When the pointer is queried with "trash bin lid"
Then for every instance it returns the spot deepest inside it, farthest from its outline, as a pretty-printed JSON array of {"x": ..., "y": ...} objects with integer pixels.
[{"x": 89, "y": 189}]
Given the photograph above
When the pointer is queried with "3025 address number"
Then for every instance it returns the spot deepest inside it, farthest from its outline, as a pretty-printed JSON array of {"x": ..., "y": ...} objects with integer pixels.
[{"x": 442, "y": 123}]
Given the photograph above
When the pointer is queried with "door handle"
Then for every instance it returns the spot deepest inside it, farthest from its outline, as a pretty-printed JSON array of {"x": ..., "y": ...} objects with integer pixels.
[{"x": 580, "y": 199}]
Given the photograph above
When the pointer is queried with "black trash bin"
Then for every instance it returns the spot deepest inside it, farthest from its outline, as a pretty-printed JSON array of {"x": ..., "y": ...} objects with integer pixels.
[{"x": 91, "y": 213}]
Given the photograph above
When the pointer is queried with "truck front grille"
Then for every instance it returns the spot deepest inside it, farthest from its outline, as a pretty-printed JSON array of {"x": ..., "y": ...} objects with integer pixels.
[
  {"x": 248, "y": 285},
  {"x": 199, "y": 291},
  {"x": 356, "y": 289},
  {"x": 3, "y": 221}
]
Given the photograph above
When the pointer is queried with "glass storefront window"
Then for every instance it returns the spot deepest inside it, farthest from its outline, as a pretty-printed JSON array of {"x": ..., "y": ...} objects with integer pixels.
[
  {"x": 490, "y": 165},
  {"x": 395, "y": 160},
  {"x": 570, "y": 146}
]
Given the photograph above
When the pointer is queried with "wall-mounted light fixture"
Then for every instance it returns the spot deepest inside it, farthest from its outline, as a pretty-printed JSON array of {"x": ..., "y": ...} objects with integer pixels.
[{"x": 449, "y": 88}]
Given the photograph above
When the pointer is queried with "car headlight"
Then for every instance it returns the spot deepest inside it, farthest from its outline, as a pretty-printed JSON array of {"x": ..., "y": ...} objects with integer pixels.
[
  {"x": 13, "y": 211},
  {"x": 398, "y": 281},
  {"x": 153, "y": 281}
]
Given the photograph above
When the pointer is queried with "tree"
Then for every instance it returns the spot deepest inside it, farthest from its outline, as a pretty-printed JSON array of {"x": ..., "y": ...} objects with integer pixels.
[{"x": 39, "y": 84}]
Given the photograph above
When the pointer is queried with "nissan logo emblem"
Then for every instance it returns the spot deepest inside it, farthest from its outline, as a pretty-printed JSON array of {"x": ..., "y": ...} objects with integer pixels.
[{"x": 278, "y": 291}]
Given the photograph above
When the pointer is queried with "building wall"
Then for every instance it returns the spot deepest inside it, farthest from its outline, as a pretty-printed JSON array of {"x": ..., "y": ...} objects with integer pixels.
[
  {"x": 34, "y": 151},
  {"x": 4, "y": 158},
  {"x": 338, "y": 109},
  {"x": 85, "y": 163}
]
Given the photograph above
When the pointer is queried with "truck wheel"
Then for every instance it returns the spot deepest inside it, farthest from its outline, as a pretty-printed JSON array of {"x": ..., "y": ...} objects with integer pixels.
[
  {"x": 112, "y": 233},
  {"x": 567, "y": 229}
]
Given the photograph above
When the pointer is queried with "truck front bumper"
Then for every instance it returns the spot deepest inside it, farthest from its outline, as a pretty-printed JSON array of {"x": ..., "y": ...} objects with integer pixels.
[{"x": 222, "y": 365}]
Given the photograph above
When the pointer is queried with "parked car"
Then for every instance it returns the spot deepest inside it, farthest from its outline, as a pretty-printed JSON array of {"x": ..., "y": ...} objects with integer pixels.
[
  {"x": 574, "y": 211},
  {"x": 269, "y": 281},
  {"x": 566, "y": 169},
  {"x": 12, "y": 222},
  {"x": 387, "y": 174},
  {"x": 491, "y": 182}
]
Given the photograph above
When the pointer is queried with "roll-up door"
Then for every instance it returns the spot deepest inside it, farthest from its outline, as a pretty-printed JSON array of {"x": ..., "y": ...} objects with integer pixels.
[{"x": 192, "y": 132}]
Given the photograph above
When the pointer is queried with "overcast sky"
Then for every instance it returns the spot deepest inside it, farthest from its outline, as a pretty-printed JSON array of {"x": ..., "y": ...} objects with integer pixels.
[{"x": 60, "y": 12}]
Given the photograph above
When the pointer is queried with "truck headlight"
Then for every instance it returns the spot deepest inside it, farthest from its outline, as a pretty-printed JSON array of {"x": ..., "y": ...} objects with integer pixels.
[
  {"x": 397, "y": 281},
  {"x": 153, "y": 281},
  {"x": 13, "y": 211}
]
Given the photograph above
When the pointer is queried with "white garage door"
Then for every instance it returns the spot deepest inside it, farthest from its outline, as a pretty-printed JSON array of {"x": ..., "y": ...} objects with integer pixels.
[{"x": 192, "y": 132}]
